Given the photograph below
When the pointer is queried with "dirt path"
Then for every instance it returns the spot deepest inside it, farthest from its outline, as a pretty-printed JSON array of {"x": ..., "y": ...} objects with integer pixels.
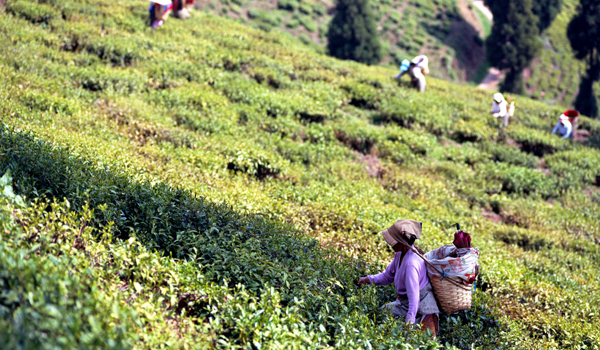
[{"x": 491, "y": 80}]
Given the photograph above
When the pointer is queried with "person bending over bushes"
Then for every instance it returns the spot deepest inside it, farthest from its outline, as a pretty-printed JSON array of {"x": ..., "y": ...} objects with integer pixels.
[
  {"x": 564, "y": 127},
  {"x": 159, "y": 12},
  {"x": 415, "y": 301},
  {"x": 417, "y": 69},
  {"x": 183, "y": 8},
  {"x": 501, "y": 108}
]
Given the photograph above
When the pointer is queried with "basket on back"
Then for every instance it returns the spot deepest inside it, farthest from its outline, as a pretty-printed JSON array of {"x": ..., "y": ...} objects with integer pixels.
[
  {"x": 451, "y": 297},
  {"x": 452, "y": 269}
]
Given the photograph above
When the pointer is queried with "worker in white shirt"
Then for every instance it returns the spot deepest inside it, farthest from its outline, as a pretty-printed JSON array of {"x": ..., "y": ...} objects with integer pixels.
[
  {"x": 563, "y": 127},
  {"x": 501, "y": 108},
  {"x": 417, "y": 69}
]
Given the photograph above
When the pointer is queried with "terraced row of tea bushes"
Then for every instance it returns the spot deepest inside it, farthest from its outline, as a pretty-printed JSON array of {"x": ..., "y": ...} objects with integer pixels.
[
  {"x": 440, "y": 125},
  {"x": 217, "y": 245},
  {"x": 344, "y": 151},
  {"x": 67, "y": 284}
]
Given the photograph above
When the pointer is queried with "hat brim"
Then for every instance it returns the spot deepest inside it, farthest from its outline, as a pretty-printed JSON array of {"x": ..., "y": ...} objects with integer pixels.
[
  {"x": 388, "y": 238},
  {"x": 161, "y": 2}
]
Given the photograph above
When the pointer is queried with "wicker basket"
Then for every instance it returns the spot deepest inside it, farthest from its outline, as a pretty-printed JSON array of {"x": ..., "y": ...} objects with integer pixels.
[{"x": 451, "y": 298}]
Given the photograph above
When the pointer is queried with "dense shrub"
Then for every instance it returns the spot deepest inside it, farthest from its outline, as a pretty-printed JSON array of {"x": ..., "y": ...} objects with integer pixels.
[
  {"x": 353, "y": 33},
  {"x": 519, "y": 180},
  {"x": 511, "y": 155},
  {"x": 34, "y": 12},
  {"x": 118, "y": 51},
  {"x": 289, "y": 5}
]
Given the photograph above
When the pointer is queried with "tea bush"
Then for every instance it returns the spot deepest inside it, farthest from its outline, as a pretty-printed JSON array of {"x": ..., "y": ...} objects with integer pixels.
[
  {"x": 33, "y": 12},
  {"x": 232, "y": 184}
]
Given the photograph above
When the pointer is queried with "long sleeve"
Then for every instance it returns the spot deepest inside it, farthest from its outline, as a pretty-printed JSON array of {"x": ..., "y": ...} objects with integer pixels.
[
  {"x": 399, "y": 75},
  {"x": 387, "y": 276},
  {"x": 569, "y": 129},
  {"x": 501, "y": 111},
  {"x": 412, "y": 292},
  {"x": 556, "y": 128}
]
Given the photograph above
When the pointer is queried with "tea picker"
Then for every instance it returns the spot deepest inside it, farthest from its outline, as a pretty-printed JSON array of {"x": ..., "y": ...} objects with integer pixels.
[
  {"x": 566, "y": 124},
  {"x": 158, "y": 12},
  {"x": 183, "y": 8},
  {"x": 415, "y": 301},
  {"x": 425, "y": 284},
  {"x": 501, "y": 108},
  {"x": 417, "y": 69}
]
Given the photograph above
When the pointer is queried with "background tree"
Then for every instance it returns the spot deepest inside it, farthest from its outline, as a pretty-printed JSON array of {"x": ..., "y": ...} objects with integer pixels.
[
  {"x": 514, "y": 40},
  {"x": 546, "y": 11},
  {"x": 353, "y": 33},
  {"x": 584, "y": 34}
]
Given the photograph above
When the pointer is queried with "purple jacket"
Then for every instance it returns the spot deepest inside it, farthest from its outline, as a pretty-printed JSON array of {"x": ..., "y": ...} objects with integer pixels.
[{"x": 409, "y": 279}]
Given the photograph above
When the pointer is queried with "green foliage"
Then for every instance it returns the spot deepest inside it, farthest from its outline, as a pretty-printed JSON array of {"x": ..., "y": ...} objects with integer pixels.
[
  {"x": 305, "y": 8},
  {"x": 510, "y": 155},
  {"x": 48, "y": 298},
  {"x": 225, "y": 190},
  {"x": 556, "y": 76},
  {"x": 118, "y": 51},
  {"x": 33, "y": 12},
  {"x": 308, "y": 23},
  {"x": 403, "y": 29},
  {"x": 513, "y": 43},
  {"x": 583, "y": 35},
  {"x": 519, "y": 180},
  {"x": 546, "y": 11},
  {"x": 289, "y": 5},
  {"x": 353, "y": 33}
]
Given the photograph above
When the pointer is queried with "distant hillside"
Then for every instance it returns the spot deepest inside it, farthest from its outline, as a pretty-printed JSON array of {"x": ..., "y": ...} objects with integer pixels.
[
  {"x": 554, "y": 77},
  {"x": 446, "y": 30},
  {"x": 451, "y": 32}
]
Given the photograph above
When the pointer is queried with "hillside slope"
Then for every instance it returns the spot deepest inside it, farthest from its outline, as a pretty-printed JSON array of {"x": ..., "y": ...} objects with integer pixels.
[
  {"x": 450, "y": 32},
  {"x": 407, "y": 28},
  {"x": 555, "y": 77},
  {"x": 213, "y": 185}
]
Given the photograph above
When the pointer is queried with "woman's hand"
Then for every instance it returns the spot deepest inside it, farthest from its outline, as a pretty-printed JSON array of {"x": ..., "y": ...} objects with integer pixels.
[{"x": 363, "y": 280}]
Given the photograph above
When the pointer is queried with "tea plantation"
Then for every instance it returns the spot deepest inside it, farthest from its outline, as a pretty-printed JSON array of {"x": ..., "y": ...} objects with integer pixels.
[
  {"x": 436, "y": 28},
  {"x": 406, "y": 28},
  {"x": 210, "y": 185}
]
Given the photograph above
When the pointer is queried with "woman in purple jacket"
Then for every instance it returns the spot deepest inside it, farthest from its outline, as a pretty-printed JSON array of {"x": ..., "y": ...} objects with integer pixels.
[{"x": 407, "y": 271}]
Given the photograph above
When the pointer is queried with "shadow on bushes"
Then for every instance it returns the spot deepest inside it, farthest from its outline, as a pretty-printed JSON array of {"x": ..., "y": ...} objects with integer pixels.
[
  {"x": 524, "y": 241},
  {"x": 244, "y": 249}
]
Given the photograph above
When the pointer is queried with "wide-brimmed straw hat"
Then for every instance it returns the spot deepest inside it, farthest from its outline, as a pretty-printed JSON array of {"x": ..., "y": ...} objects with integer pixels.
[
  {"x": 402, "y": 228},
  {"x": 161, "y": 2}
]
